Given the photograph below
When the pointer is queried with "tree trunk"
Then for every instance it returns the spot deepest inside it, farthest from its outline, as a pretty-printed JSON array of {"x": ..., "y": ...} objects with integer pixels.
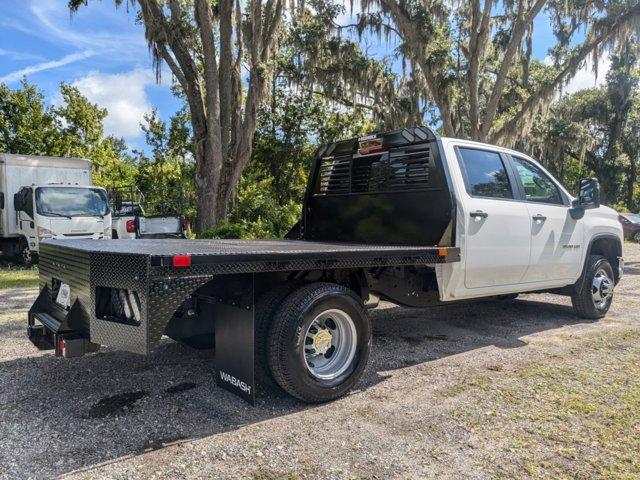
[{"x": 207, "y": 185}]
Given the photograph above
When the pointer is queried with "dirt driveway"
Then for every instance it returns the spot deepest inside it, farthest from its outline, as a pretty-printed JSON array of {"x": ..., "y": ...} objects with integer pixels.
[{"x": 499, "y": 389}]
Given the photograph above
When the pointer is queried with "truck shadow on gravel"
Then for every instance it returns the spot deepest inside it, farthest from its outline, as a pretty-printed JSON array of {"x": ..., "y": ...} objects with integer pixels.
[
  {"x": 632, "y": 268},
  {"x": 111, "y": 404}
]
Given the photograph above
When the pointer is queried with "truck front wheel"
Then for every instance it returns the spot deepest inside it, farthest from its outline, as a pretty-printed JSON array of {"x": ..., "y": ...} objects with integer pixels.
[
  {"x": 594, "y": 293},
  {"x": 319, "y": 342},
  {"x": 26, "y": 256}
]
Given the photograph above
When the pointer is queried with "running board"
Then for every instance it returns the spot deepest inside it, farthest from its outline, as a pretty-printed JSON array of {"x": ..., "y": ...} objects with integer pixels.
[{"x": 46, "y": 336}]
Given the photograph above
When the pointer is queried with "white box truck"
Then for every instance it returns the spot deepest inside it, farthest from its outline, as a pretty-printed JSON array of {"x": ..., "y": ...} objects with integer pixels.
[{"x": 48, "y": 197}]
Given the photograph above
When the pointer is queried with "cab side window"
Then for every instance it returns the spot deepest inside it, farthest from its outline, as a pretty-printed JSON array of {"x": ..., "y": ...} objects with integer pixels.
[
  {"x": 26, "y": 194},
  {"x": 484, "y": 173},
  {"x": 538, "y": 187}
]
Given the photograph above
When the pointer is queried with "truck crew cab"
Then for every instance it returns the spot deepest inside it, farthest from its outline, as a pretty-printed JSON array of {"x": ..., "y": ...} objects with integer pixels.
[{"x": 405, "y": 216}]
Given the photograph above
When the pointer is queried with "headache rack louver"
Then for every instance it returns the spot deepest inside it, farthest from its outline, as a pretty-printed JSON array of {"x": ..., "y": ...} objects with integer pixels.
[
  {"x": 394, "y": 161},
  {"x": 393, "y": 170}
]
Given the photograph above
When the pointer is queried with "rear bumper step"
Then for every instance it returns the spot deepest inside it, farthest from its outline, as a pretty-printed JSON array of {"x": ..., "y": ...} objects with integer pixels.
[{"x": 44, "y": 335}]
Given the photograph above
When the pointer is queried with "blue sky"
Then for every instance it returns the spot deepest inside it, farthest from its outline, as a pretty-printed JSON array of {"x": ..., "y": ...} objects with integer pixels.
[{"x": 102, "y": 50}]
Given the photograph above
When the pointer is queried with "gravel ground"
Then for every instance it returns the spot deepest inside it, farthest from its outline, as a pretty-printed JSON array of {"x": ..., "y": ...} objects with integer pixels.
[{"x": 467, "y": 391}]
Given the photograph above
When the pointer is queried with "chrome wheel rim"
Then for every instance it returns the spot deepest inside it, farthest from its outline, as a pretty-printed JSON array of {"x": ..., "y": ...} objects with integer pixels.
[
  {"x": 601, "y": 289},
  {"x": 330, "y": 344}
]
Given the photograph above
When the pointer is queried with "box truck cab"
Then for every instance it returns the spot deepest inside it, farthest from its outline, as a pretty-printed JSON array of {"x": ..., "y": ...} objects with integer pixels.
[{"x": 48, "y": 197}]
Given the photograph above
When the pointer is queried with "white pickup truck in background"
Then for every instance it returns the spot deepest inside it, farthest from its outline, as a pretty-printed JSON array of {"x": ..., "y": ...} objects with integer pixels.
[{"x": 130, "y": 221}]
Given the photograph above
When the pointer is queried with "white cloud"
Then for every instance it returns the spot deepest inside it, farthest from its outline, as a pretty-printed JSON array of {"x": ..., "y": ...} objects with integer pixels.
[
  {"x": 586, "y": 76},
  {"x": 98, "y": 27},
  {"x": 39, "y": 67},
  {"x": 123, "y": 95},
  {"x": 14, "y": 55}
]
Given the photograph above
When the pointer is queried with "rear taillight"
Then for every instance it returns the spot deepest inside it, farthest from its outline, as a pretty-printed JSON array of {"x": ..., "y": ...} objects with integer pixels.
[
  {"x": 181, "y": 261},
  {"x": 131, "y": 226}
]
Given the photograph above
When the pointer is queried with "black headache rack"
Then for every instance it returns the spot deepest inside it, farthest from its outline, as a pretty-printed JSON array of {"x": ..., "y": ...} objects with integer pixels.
[
  {"x": 390, "y": 188},
  {"x": 124, "y": 293}
]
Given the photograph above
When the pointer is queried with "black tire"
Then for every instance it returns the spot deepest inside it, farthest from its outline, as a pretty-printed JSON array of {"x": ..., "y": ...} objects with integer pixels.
[
  {"x": 26, "y": 257},
  {"x": 266, "y": 308},
  {"x": 582, "y": 298},
  {"x": 286, "y": 341},
  {"x": 509, "y": 296}
]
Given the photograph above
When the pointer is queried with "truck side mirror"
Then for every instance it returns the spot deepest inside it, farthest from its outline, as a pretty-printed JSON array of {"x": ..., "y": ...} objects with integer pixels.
[
  {"x": 589, "y": 196},
  {"x": 17, "y": 202}
]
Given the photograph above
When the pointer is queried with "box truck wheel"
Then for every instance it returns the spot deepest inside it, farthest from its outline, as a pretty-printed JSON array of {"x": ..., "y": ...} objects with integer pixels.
[
  {"x": 26, "y": 256},
  {"x": 319, "y": 342}
]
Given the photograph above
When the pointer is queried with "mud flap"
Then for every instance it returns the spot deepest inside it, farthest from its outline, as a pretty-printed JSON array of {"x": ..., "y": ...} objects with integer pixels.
[{"x": 232, "y": 307}]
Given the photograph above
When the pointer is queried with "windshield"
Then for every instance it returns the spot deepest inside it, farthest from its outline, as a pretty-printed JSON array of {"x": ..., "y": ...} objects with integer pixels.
[
  {"x": 633, "y": 217},
  {"x": 71, "y": 202}
]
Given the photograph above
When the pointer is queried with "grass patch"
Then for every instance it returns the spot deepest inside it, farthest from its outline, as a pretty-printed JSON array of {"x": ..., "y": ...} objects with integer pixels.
[
  {"x": 18, "y": 278},
  {"x": 575, "y": 417},
  {"x": 481, "y": 382}
]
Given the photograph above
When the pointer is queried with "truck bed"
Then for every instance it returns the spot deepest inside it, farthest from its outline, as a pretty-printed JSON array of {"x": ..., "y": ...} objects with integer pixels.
[
  {"x": 250, "y": 252},
  {"x": 91, "y": 269}
]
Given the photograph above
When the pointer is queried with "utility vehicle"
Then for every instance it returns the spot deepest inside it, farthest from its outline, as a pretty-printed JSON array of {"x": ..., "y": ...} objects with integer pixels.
[
  {"x": 405, "y": 216},
  {"x": 48, "y": 197},
  {"x": 131, "y": 221}
]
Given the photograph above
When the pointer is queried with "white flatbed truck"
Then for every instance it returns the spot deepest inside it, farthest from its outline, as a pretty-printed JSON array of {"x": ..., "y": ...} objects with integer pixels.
[{"x": 404, "y": 216}]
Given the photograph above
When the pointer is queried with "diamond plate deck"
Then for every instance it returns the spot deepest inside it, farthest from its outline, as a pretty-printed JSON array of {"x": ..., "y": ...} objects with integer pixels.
[
  {"x": 252, "y": 248},
  {"x": 144, "y": 266}
]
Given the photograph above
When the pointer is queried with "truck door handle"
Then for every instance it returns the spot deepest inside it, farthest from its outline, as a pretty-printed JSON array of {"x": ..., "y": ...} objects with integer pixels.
[
  {"x": 539, "y": 218},
  {"x": 479, "y": 214}
]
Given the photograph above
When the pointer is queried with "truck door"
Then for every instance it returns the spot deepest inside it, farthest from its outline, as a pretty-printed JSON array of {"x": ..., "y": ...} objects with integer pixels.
[
  {"x": 497, "y": 234},
  {"x": 556, "y": 238},
  {"x": 25, "y": 217}
]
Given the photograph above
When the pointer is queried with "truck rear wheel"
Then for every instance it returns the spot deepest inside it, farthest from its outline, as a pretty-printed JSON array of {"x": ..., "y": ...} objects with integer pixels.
[
  {"x": 266, "y": 308},
  {"x": 319, "y": 342},
  {"x": 592, "y": 298}
]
